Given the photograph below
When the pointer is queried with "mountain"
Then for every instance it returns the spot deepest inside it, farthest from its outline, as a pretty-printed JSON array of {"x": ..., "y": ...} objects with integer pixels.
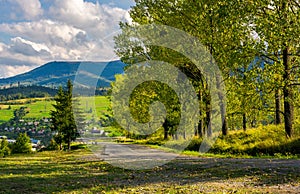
[{"x": 54, "y": 74}]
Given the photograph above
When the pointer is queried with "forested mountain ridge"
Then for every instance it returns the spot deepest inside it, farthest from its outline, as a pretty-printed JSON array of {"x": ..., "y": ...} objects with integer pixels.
[{"x": 54, "y": 74}]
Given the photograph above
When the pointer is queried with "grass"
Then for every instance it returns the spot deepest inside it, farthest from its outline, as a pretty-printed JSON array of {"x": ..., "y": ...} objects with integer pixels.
[
  {"x": 80, "y": 171},
  {"x": 39, "y": 108},
  {"x": 94, "y": 106},
  {"x": 262, "y": 142}
]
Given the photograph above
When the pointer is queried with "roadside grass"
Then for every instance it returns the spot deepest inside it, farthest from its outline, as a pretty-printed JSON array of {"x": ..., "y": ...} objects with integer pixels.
[
  {"x": 79, "y": 171},
  {"x": 262, "y": 142}
]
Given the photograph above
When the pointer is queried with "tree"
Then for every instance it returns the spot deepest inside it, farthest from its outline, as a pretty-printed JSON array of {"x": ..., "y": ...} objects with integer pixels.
[
  {"x": 19, "y": 114},
  {"x": 218, "y": 24},
  {"x": 277, "y": 26},
  {"x": 22, "y": 144},
  {"x": 63, "y": 121},
  {"x": 4, "y": 148}
]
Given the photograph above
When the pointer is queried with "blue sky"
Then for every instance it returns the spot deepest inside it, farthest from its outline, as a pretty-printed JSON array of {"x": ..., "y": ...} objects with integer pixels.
[{"x": 34, "y": 32}]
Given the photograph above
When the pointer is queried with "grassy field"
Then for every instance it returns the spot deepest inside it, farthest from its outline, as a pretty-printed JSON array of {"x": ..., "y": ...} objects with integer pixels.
[
  {"x": 39, "y": 108},
  {"x": 80, "y": 171},
  {"x": 94, "y": 106}
]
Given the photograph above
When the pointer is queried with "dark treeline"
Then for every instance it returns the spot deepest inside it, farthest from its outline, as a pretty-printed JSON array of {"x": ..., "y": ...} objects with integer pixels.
[{"x": 21, "y": 92}]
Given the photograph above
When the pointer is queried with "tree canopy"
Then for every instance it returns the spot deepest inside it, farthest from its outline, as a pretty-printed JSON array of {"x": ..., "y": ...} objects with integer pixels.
[{"x": 254, "y": 43}]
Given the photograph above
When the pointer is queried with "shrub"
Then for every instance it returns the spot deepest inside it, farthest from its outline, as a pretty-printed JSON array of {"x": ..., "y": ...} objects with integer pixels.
[
  {"x": 4, "y": 148},
  {"x": 78, "y": 146},
  {"x": 22, "y": 144},
  {"x": 194, "y": 144},
  {"x": 53, "y": 145}
]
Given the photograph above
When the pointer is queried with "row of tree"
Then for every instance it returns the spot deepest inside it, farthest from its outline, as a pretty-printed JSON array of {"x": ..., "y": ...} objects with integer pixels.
[
  {"x": 21, "y": 92},
  {"x": 254, "y": 43}
]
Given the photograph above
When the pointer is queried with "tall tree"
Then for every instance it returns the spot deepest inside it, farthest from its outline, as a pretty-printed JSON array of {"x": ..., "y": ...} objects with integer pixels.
[
  {"x": 277, "y": 25},
  {"x": 219, "y": 25},
  {"x": 63, "y": 121}
]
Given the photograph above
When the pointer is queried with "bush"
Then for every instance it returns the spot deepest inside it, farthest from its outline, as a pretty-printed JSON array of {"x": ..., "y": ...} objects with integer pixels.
[
  {"x": 4, "y": 148},
  {"x": 194, "y": 144},
  {"x": 22, "y": 144},
  {"x": 78, "y": 146},
  {"x": 53, "y": 145}
]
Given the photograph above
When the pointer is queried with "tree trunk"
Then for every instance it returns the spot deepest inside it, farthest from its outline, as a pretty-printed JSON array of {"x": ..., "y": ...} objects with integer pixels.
[
  {"x": 277, "y": 107},
  {"x": 69, "y": 145},
  {"x": 166, "y": 131},
  {"x": 200, "y": 128},
  {"x": 208, "y": 120},
  {"x": 200, "y": 123},
  {"x": 287, "y": 94},
  {"x": 222, "y": 107},
  {"x": 244, "y": 122},
  {"x": 165, "y": 134}
]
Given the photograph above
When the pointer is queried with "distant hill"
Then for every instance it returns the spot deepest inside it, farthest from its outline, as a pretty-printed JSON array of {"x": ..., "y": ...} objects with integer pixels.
[{"x": 54, "y": 74}]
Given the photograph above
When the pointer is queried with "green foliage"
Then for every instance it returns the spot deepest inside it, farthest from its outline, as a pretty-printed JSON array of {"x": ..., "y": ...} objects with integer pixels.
[
  {"x": 78, "y": 146},
  {"x": 19, "y": 114},
  {"x": 22, "y": 144},
  {"x": 53, "y": 145},
  {"x": 194, "y": 145},
  {"x": 4, "y": 148},
  {"x": 63, "y": 121},
  {"x": 261, "y": 71}
]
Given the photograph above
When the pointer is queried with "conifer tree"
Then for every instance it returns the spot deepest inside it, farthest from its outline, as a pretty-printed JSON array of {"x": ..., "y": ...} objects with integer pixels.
[{"x": 63, "y": 121}]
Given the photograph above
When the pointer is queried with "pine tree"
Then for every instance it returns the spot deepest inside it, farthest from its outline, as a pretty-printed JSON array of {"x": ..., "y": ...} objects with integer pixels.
[{"x": 63, "y": 121}]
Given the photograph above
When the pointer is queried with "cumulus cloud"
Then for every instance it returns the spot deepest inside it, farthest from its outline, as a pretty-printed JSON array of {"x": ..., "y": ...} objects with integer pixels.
[
  {"x": 31, "y": 9},
  {"x": 70, "y": 30},
  {"x": 46, "y": 31},
  {"x": 9, "y": 71},
  {"x": 25, "y": 47},
  {"x": 98, "y": 20}
]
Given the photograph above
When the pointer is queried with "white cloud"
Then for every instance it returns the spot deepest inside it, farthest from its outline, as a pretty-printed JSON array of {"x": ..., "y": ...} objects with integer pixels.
[
  {"x": 25, "y": 47},
  {"x": 46, "y": 31},
  {"x": 97, "y": 20},
  {"x": 31, "y": 9},
  {"x": 73, "y": 30},
  {"x": 8, "y": 70}
]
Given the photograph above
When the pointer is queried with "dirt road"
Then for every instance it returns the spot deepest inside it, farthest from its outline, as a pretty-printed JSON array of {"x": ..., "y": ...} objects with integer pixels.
[{"x": 202, "y": 174}]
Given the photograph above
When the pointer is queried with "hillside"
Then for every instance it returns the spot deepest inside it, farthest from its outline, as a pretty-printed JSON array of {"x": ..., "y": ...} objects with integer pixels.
[{"x": 54, "y": 74}]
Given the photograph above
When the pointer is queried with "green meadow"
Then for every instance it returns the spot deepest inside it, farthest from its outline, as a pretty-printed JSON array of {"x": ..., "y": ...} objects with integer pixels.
[{"x": 40, "y": 108}]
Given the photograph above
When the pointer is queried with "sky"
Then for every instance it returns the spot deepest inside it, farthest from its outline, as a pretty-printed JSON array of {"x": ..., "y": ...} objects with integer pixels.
[{"x": 34, "y": 32}]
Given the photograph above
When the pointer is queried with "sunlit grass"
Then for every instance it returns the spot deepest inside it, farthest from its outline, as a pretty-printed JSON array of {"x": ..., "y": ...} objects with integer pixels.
[
  {"x": 41, "y": 108},
  {"x": 79, "y": 171}
]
